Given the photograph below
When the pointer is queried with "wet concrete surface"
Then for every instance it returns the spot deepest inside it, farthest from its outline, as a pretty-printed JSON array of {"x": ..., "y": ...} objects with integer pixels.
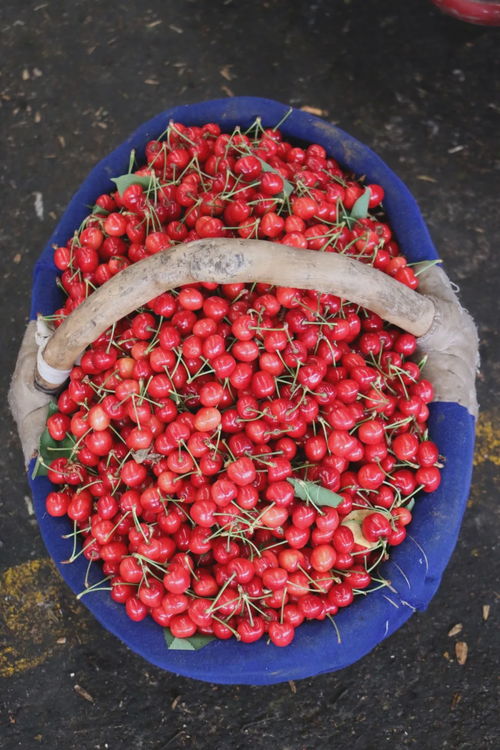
[{"x": 423, "y": 91}]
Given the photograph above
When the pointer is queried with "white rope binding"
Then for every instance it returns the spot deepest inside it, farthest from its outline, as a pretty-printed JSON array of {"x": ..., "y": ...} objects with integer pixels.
[{"x": 50, "y": 374}]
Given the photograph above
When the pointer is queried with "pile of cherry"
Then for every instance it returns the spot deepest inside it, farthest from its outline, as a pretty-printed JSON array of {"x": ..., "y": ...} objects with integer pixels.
[{"x": 241, "y": 456}]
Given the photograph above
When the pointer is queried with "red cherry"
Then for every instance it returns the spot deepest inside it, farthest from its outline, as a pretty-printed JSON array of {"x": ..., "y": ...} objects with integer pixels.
[
  {"x": 427, "y": 453},
  {"x": 281, "y": 634},
  {"x": 375, "y": 526},
  {"x": 323, "y": 558},
  {"x": 181, "y": 626},
  {"x": 405, "y": 446},
  {"x": 242, "y": 471},
  {"x": 429, "y": 477},
  {"x": 136, "y": 609},
  {"x": 57, "y": 503}
]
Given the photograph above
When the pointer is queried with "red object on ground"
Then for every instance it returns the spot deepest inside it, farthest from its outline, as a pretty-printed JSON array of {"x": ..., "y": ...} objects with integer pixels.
[{"x": 485, "y": 12}]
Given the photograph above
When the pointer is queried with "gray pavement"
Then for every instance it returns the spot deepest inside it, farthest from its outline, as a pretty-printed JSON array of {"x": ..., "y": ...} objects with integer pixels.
[{"x": 423, "y": 91}]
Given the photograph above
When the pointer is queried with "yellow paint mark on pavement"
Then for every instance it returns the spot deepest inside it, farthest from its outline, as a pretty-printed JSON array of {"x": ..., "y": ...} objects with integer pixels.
[
  {"x": 31, "y": 619},
  {"x": 488, "y": 439}
]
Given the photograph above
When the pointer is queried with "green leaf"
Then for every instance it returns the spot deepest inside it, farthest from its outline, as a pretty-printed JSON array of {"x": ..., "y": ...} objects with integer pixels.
[
  {"x": 287, "y": 186},
  {"x": 194, "y": 643},
  {"x": 53, "y": 408},
  {"x": 315, "y": 493},
  {"x": 168, "y": 636},
  {"x": 99, "y": 211},
  {"x": 360, "y": 208},
  {"x": 49, "y": 448},
  {"x": 125, "y": 180},
  {"x": 287, "y": 189}
]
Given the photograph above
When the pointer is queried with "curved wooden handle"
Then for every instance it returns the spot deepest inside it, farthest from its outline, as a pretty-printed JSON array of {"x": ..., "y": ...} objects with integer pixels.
[{"x": 229, "y": 261}]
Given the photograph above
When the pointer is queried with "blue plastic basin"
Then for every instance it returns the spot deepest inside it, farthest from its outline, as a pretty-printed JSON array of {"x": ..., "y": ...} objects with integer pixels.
[{"x": 415, "y": 567}]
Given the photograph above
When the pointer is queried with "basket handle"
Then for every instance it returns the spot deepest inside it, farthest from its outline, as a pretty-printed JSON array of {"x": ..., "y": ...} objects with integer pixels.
[{"x": 228, "y": 261}]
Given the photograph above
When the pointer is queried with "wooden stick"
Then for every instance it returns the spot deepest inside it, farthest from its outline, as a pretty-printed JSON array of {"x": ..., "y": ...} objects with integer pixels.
[{"x": 229, "y": 261}]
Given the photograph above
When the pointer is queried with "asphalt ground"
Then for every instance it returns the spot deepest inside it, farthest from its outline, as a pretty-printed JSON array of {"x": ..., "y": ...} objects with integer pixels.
[{"x": 423, "y": 91}]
